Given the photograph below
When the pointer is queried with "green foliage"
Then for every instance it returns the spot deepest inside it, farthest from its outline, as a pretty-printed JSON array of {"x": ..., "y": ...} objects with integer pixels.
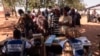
[
  {"x": 74, "y": 3},
  {"x": 32, "y": 3},
  {"x": 39, "y": 3},
  {"x": 9, "y": 2}
]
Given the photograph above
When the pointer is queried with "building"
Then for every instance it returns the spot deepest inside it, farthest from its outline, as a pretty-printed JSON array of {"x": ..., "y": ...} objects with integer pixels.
[{"x": 95, "y": 7}]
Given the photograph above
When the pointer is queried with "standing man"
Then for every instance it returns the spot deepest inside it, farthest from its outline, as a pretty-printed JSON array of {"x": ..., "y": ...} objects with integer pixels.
[{"x": 88, "y": 16}]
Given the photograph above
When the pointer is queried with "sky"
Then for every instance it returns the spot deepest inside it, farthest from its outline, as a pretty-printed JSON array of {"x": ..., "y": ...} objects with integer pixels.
[{"x": 91, "y": 2}]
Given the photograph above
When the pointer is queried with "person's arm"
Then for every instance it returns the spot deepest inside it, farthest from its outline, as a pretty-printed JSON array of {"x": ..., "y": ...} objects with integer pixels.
[
  {"x": 70, "y": 20},
  {"x": 61, "y": 19},
  {"x": 4, "y": 47}
]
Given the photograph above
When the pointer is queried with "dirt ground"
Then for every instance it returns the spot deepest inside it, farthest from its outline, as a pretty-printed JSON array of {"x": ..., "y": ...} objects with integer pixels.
[{"x": 91, "y": 30}]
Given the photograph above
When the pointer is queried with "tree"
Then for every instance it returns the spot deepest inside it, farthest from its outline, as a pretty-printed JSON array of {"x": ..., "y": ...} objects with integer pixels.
[
  {"x": 75, "y": 3},
  {"x": 33, "y": 3},
  {"x": 10, "y": 2},
  {"x": 37, "y": 3}
]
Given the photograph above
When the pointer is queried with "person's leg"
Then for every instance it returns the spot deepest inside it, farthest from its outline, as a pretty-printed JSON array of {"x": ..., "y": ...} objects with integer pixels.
[{"x": 27, "y": 32}]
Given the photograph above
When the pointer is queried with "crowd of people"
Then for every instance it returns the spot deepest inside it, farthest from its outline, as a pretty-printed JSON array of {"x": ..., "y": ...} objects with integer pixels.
[
  {"x": 46, "y": 21},
  {"x": 93, "y": 16},
  {"x": 64, "y": 19}
]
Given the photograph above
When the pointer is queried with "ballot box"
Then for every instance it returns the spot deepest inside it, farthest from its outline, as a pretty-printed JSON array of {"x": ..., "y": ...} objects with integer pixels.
[
  {"x": 54, "y": 45},
  {"x": 86, "y": 44},
  {"x": 38, "y": 47}
]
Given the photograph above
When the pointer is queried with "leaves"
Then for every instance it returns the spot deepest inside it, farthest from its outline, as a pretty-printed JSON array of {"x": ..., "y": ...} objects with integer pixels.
[
  {"x": 75, "y": 3},
  {"x": 37, "y": 3}
]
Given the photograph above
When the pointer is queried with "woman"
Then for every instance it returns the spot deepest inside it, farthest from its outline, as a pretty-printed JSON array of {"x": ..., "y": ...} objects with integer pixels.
[
  {"x": 41, "y": 22},
  {"x": 65, "y": 20}
]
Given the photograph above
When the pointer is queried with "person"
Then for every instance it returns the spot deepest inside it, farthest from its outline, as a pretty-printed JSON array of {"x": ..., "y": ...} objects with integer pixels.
[
  {"x": 7, "y": 15},
  {"x": 85, "y": 42},
  {"x": 88, "y": 16},
  {"x": 78, "y": 18},
  {"x": 75, "y": 45},
  {"x": 45, "y": 13},
  {"x": 20, "y": 12},
  {"x": 99, "y": 19},
  {"x": 73, "y": 15},
  {"x": 41, "y": 22},
  {"x": 50, "y": 22},
  {"x": 65, "y": 21},
  {"x": 26, "y": 24},
  {"x": 33, "y": 14},
  {"x": 55, "y": 21},
  {"x": 16, "y": 46}
]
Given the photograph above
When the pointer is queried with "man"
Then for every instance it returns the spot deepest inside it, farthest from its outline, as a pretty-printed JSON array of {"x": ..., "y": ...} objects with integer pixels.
[
  {"x": 16, "y": 46},
  {"x": 74, "y": 44}
]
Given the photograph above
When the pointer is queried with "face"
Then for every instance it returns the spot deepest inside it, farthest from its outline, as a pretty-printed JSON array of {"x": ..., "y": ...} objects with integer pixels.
[
  {"x": 73, "y": 33},
  {"x": 64, "y": 12}
]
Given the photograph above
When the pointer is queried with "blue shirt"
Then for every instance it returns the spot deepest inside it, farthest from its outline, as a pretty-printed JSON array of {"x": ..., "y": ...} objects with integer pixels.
[
  {"x": 15, "y": 47},
  {"x": 77, "y": 47}
]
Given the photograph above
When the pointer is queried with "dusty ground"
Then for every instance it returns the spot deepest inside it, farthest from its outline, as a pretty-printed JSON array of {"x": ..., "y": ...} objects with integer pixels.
[
  {"x": 91, "y": 30},
  {"x": 6, "y": 27}
]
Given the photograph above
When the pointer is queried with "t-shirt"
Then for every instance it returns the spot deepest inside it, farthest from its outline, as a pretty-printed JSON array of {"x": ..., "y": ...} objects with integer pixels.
[
  {"x": 15, "y": 47},
  {"x": 77, "y": 47}
]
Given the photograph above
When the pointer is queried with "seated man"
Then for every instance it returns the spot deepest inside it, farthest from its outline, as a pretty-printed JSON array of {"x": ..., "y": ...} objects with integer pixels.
[
  {"x": 76, "y": 47},
  {"x": 15, "y": 46}
]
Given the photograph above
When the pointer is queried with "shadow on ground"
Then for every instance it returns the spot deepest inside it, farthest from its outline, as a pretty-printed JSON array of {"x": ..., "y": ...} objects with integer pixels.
[{"x": 92, "y": 32}]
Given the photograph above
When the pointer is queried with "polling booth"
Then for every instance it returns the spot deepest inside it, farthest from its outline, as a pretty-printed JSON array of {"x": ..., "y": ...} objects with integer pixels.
[
  {"x": 38, "y": 47},
  {"x": 54, "y": 45},
  {"x": 59, "y": 46}
]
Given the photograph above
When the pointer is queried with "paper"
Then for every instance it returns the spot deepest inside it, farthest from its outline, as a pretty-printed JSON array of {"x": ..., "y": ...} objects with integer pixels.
[
  {"x": 84, "y": 40},
  {"x": 62, "y": 43},
  {"x": 50, "y": 39}
]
